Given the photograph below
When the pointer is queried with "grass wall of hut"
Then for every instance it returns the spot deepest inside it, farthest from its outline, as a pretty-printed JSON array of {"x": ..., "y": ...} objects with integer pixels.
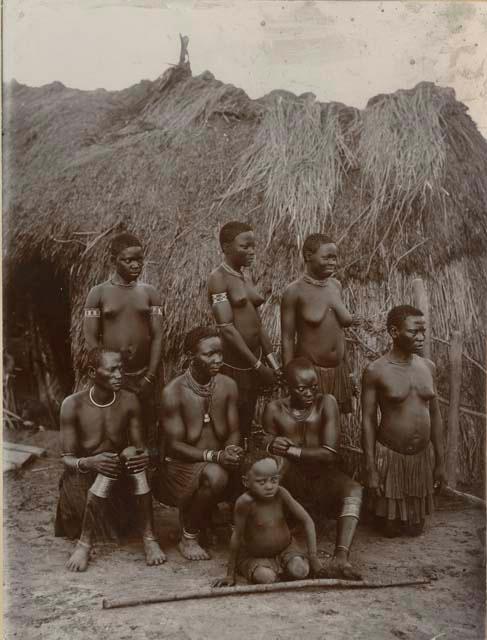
[{"x": 401, "y": 185}]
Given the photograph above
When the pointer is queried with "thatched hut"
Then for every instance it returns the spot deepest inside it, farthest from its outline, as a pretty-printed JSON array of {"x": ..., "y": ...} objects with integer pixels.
[{"x": 401, "y": 185}]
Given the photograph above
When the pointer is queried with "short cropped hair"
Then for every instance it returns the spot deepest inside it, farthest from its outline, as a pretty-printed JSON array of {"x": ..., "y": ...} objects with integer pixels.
[
  {"x": 122, "y": 241},
  {"x": 297, "y": 363},
  {"x": 314, "y": 241},
  {"x": 397, "y": 315},
  {"x": 195, "y": 336},
  {"x": 231, "y": 230},
  {"x": 252, "y": 457},
  {"x": 95, "y": 355}
]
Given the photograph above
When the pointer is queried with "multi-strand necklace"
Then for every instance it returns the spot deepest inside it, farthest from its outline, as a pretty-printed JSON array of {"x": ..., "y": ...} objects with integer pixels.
[
  {"x": 232, "y": 272},
  {"x": 316, "y": 283},
  {"x": 122, "y": 284},
  {"x": 202, "y": 390},
  {"x": 406, "y": 362},
  {"x": 300, "y": 415}
]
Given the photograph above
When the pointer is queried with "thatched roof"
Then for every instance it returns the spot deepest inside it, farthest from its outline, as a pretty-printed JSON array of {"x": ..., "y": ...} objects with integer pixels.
[{"x": 401, "y": 184}]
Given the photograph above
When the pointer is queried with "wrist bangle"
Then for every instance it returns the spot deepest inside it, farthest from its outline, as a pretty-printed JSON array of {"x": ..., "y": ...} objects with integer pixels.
[
  {"x": 269, "y": 444},
  {"x": 78, "y": 466},
  {"x": 257, "y": 365},
  {"x": 218, "y": 456},
  {"x": 272, "y": 360},
  {"x": 294, "y": 452},
  {"x": 148, "y": 380}
]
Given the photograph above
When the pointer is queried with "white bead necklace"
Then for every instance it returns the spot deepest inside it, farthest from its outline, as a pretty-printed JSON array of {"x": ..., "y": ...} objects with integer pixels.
[{"x": 102, "y": 406}]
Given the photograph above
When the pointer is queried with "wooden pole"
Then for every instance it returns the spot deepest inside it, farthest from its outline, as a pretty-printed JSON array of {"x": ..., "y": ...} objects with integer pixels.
[
  {"x": 420, "y": 297},
  {"x": 217, "y": 592},
  {"x": 454, "y": 408},
  {"x": 472, "y": 500}
]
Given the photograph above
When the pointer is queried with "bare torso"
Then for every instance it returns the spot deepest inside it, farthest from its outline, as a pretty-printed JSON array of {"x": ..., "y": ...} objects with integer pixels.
[
  {"x": 404, "y": 392},
  {"x": 125, "y": 322},
  {"x": 320, "y": 337},
  {"x": 102, "y": 430},
  {"x": 244, "y": 300},
  {"x": 201, "y": 434},
  {"x": 266, "y": 531},
  {"x": 304, "y": 433}
]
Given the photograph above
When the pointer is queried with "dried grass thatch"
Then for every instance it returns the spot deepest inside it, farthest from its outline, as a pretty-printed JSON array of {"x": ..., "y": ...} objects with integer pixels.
[{"x": 402, "y": 185}]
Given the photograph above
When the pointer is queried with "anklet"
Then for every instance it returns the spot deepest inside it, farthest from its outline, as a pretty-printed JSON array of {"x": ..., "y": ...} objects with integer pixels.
[
  {"x": 84, "y": 544},
  {"x": 340, "y": 546},
  {"x": 190, "y": 536},
  {"x": 149, "y": 538}
]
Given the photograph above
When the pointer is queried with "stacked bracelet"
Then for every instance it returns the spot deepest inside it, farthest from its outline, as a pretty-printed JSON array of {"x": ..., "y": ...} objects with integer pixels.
[
  {"x": 272, "y": 360},
  {"x": 269, "y": 444},
  {"x": 210, "y": 455},
  {"x": 294, "y": 452}
]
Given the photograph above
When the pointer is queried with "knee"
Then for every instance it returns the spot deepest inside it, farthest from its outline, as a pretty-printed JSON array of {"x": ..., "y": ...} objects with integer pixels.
[
  {"x": 215, "y": 478},
  {"x": 298, "y": 568},
  {"x": 264, "y": 575},
  {"x": 352, "y": 489}
]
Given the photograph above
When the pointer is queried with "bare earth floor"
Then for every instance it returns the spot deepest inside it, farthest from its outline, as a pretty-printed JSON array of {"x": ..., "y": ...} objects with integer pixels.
[{"x": 44, "y": 601}]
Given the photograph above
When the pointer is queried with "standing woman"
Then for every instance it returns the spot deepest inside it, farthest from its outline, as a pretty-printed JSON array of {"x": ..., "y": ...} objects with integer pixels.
[{"x": 234, "y": 300}]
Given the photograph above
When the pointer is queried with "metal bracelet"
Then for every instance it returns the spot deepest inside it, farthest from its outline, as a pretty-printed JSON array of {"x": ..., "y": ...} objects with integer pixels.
[
  {"x": 294, "y": 452},
  {"x": 78, "y": 467},
  {"x": 139, "y": 483}
]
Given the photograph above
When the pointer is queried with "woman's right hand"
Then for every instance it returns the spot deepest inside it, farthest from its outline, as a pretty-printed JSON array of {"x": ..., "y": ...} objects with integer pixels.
[{"x": 105, "y": 463}]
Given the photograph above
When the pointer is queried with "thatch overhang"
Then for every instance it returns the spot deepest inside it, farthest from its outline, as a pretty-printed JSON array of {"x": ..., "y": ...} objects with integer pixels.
[{"x": 401, "y": 184}]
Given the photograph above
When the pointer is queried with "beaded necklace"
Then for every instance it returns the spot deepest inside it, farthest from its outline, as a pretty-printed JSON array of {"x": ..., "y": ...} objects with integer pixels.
[
  {"x": 121, "y": 284},
  {"x": 101, "y": 406},
  {"x": 232, "y": 272},
  {"x": 201, "y": 390},
  {"x": 316, "y": 283}
]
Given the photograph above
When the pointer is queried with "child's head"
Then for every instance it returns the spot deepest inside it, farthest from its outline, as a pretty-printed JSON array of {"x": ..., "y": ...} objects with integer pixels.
[{"x": 261, "y": 475}]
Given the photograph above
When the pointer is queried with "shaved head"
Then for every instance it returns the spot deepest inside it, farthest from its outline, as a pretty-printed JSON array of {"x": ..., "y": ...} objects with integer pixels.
[{"x": 297, "y": 365}]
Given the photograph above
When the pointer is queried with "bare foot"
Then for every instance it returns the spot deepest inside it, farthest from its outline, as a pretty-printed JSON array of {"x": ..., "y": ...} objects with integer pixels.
[
  {"x": 153, "y": 553},
  {"x": 191, "y": 550},
  {"x": 78, "y": 561},
  {"x": 339, "y": 568}
]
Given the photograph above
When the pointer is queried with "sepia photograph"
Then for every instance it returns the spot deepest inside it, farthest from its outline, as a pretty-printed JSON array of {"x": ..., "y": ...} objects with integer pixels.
[{"x": 244, "y": 335}]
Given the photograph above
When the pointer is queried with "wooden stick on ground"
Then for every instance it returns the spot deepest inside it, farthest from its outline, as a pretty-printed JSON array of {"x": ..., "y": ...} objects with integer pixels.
[
  {"x": 218, "y": 592},
  {"x": 475, "y": 501}
]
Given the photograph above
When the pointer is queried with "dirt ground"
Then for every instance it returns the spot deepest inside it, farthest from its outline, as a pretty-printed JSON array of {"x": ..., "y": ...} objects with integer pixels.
[{"x": 44, "y": 601}]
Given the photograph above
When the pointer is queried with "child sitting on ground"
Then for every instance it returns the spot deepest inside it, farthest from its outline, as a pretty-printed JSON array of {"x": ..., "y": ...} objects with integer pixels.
[{"x": 262, "y": 547}]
